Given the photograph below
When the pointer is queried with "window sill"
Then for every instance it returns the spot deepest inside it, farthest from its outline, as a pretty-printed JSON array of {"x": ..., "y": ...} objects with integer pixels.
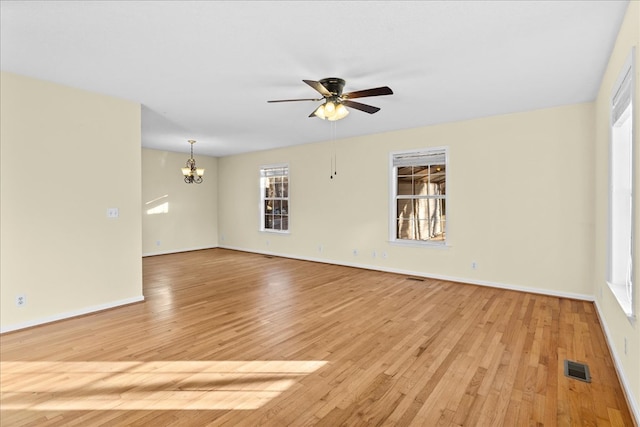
[
  {"x": 620, "y": 292},
  {"x": 276, "y": 231},
  {"x": 420, "y": 244}
]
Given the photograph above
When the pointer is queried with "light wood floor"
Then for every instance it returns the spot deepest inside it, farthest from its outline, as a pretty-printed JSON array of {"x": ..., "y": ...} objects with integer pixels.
[{"x": 238, "y": 339}]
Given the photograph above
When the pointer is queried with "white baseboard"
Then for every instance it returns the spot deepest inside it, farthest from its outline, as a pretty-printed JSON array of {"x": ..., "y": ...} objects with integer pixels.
[
  {"x": 176, "y": 251},
  {"x": 69, "y": 314},
  {"x": 631, "y": 399},
  {"x": 549, "y": 292}
]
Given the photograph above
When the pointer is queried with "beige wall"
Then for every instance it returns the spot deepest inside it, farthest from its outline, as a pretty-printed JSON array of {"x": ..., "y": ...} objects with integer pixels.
[
  {"x": 190, "y": 221},
  {"x": 520, "y": 201},
  {"x": 67, "y": 156},
  {"x": 616, "y": 324}
]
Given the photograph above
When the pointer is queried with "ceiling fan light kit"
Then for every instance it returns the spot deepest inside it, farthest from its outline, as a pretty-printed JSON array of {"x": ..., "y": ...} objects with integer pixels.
[
  {"x": 335, "y": 102},
  {"x": 192, "y": 174},
  {"x": 331, "y": 110}
]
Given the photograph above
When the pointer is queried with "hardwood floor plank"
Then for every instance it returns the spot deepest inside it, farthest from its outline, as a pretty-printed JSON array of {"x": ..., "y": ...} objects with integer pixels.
[{"x": 227, "y": 338}]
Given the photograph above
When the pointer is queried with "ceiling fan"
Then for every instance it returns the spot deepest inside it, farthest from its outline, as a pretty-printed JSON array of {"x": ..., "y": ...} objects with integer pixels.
[{"x": 335, "y": 102}]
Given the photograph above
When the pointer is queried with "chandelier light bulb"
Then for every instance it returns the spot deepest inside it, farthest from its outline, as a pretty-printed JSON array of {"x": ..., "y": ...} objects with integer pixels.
[
  {"x": 340, "y": 112},
  {"x": 320, "y": 112},
  {"x": 329, "y": 109}
]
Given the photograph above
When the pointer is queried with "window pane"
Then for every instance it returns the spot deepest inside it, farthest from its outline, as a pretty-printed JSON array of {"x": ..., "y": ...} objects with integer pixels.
[
  {"x": 285, "y": 207},
  {"x": 405, "y": 208},
  {"x": 285, "y": 187},
  {"x": 432, "y": 189},
  {"x": 405, "y": 171},
  {"x": 421, "y": 170},
  {"x": 405, "y": 186},
  {"x": 621, "y": 200},
  {"x": 420, "y": 186},
  {"x": 420, "y": 219},
  {"x": 429, "y": 230},
  {"x": 271, "y": 187},
  {"x": 280, "y": 222},
  {"x": 437, "y": 174},
  {"x": 268, "y": 221},
  {"x": 405, "y": 228}
]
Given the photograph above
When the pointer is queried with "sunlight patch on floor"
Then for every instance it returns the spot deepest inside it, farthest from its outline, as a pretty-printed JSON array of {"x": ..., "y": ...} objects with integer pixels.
[{"x": 157, "y": 385}]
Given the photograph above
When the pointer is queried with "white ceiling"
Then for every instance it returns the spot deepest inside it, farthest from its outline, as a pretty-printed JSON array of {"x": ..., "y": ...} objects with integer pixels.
[{"x": 204, "y": 70}]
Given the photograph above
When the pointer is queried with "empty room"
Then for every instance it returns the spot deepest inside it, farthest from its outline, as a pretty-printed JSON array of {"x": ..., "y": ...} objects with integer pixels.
[{"x": 302, "y": 213}]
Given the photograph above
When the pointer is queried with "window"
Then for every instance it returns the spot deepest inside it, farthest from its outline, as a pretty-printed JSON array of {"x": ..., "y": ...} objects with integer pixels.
[
  {"x": 621, "y": 212},
  {"x": 274, "y": 198},
  {"x": 419, "y": 198}
]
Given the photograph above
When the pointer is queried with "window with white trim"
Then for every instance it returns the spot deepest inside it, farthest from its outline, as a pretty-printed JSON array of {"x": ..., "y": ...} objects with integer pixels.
[
  {"x": 274, "y": 198},
  {"x": 419, "y": 196},
  {"x": 621, "y": 198}
]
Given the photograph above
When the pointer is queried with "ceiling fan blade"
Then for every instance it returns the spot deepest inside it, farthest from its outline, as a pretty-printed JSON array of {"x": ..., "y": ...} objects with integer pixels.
[
  {"x": 291, "y": 100},
  {"x": 362, "y": 107},
  {"x": 318, "y": 86},
  {"x": 384, "y": 90}
]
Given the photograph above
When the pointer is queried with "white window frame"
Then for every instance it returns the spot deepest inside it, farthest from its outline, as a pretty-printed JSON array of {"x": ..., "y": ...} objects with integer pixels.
[
  {"x": 393, "y": 195},
  {"x": 263, "y": 172},
  {"x": 622, "y": 102}
]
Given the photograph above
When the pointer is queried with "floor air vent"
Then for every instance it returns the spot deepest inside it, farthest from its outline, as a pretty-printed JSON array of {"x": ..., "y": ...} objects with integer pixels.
[{"x": 577, "y": 371}]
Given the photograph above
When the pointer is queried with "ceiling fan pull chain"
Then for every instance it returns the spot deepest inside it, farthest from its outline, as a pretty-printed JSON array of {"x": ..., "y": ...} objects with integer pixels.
[
  {"x": 335, "y": 163},
  {"x": 331, "y": 169},
  {"x": 334, "y": 157},
  {"x": 335, "y": 160}
]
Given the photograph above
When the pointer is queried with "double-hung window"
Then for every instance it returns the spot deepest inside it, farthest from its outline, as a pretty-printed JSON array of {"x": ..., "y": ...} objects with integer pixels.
[
  {"x": 419, "y": 196},
  {"x": 274, "y": 198},
  {"x": 621, "y": 198}
]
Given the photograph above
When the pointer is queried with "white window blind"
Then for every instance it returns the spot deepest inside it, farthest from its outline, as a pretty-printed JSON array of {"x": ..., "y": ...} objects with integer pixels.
[
  {"x": 419, "y": 159},
  {"x": 622, "y": 98}
]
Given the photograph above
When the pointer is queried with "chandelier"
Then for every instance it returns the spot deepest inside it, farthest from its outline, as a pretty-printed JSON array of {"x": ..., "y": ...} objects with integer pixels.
[{"x": 191, "y": 172}]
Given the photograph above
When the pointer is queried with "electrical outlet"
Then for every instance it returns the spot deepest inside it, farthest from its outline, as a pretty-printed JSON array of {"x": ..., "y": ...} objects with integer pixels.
[
  {"x": 268, "y": 242},
  {"x": 113, "y": 213},
  {"x": 374, "y": 254},
  {"x": 355, "y": 252},
  {"x": 320, "y": 248},
  {"x": 474, "y": 265},
  {"x": 384, "y": 255},
  {"x": 21, "y": 300},
  {"x": 158, "y": 242}
]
